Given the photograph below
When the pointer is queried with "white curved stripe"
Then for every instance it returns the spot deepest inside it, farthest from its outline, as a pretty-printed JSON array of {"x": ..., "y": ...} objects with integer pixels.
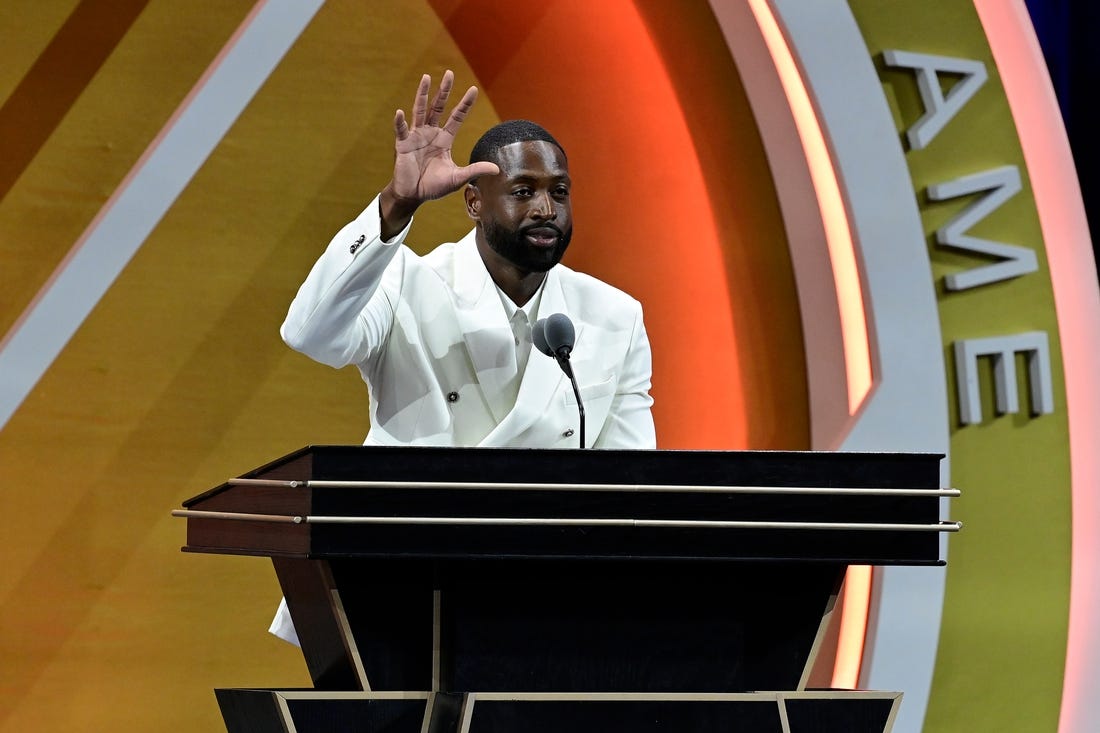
[
  {"x": 899, "y": 293},
  {"x": 900, "y": 652},
  {"x": 147, "y": 192}
]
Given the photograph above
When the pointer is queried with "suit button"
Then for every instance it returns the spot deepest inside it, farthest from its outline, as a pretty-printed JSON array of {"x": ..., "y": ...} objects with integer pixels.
[
  {"x": 358, "y": 243},
  {"x": 452, "y": 396}
]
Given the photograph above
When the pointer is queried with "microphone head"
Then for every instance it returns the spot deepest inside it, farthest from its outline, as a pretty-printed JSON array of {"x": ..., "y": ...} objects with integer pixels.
[
  {"x": 538, "y": 337},
  {"x": 560, "y": 334},
  {"x": 553, "y": 334}
]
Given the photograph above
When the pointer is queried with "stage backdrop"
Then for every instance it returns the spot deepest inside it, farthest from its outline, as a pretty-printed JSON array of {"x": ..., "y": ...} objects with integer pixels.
[{"x": 852, "y": 225}]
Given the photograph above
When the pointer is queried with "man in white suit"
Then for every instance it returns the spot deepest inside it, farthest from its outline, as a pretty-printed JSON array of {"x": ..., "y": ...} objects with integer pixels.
[{"x": 444, "y": 341}]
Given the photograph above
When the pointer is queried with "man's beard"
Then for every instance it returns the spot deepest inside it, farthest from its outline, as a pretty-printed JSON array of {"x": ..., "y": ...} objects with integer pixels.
[{"x": 514, "y": 247}]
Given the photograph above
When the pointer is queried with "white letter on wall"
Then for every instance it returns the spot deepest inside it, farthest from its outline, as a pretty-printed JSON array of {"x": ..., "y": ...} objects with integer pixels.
[
  {"x": 938, "y": 110},
  {"x": 1003, "y": 350},
  {"x": 1003, "y": 183}
]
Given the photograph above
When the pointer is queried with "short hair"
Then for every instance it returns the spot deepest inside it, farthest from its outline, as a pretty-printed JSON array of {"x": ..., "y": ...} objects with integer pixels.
[{"x": 507, "y": 133}]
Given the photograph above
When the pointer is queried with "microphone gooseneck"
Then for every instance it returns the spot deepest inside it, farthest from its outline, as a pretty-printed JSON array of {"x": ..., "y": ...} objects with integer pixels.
[{"x": 555, "y": 336}]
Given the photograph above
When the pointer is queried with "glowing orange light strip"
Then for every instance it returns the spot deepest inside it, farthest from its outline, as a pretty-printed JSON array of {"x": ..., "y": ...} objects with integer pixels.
[
  {"x": 853, "y": 627},
  {"x": 1077, "y": 302},
  {"x": 838, "y": 235},
  {"x": 849, "y": 293}
]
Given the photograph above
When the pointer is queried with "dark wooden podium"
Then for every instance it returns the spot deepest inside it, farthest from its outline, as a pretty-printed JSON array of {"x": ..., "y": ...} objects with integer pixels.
[{"x": 485, "y": 590}]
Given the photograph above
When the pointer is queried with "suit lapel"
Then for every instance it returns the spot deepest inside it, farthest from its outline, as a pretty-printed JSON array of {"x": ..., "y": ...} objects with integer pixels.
[
  {"x": 485, "y": 330},
  {"x": 542, "y": 377}
]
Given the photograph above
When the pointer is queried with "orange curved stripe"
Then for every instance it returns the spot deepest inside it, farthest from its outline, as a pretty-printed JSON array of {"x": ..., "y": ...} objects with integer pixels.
[
  {"x": 643, "y": 217},
  {"x": 673, "y": 201},
  {"x": 853, "y": 627}
]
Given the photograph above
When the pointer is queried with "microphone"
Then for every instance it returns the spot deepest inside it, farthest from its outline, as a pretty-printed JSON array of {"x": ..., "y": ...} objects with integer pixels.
[{"x": 555, "y": 336}]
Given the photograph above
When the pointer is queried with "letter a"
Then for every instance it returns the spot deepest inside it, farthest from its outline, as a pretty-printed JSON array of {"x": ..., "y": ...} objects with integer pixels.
[{"x": 938, "y": 110}]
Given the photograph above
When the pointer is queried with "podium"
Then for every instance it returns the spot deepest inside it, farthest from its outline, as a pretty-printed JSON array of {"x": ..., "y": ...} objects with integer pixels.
[{"x": 490, "y": 590}]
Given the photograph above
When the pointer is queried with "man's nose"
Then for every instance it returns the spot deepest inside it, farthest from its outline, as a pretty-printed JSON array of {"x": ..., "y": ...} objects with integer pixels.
[{"x": 543, "y": 207}]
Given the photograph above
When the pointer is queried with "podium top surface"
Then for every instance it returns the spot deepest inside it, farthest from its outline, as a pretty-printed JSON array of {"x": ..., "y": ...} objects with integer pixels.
[
  {"x": 642, "y": 467},
  {"x": 340, "y": 501}
]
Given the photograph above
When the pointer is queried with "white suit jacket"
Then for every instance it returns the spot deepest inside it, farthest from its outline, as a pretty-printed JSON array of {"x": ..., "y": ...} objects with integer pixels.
[
  {"x": 430, "y": 335},
  {"x": 431, "y": 339}
]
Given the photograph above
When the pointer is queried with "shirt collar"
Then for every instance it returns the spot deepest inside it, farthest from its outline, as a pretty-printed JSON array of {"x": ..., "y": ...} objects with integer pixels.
[{"x": 530, "y": 308}]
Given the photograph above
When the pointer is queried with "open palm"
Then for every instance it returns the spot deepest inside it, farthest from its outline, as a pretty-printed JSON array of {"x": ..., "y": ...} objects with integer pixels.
[{"x": 424, "y": 169}]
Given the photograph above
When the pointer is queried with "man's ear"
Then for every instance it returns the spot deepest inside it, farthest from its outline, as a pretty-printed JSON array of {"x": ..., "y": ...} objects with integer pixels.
[{"x": 473, "y": 201}]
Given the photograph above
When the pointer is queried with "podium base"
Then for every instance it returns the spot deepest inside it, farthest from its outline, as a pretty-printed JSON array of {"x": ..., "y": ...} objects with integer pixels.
[{"x": 311, "y": 711}]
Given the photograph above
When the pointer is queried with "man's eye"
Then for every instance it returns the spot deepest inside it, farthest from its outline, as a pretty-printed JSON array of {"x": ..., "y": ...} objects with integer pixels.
[
  {"x": 561, "y": 191},
  {"x": 521, "y": 192}
]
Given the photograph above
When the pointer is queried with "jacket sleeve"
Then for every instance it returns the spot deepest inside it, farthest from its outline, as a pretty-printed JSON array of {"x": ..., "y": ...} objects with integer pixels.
[
  {"x": 344, "y": 309},
  {"x": 630, "y": 419}
]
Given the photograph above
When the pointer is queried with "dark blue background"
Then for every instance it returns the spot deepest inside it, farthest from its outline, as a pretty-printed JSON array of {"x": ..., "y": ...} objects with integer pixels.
[{"x": 1067, "y": 31}]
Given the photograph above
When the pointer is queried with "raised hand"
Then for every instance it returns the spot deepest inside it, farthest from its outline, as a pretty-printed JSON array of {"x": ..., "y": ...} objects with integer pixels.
[{"x": 423, "y": 169}]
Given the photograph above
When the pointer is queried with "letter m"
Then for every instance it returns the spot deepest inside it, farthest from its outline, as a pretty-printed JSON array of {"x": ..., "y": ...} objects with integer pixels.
[{"x": 1002, "y": 184}]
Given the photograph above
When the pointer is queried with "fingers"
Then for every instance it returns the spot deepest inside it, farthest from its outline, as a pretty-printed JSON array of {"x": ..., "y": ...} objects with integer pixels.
[
  {"x": 400, "y": 126},
  {"x": 423, "y": 114},
  {"x": 440, "y": 102},
  {"x": 458, "y": 114},
  {"x": 420, "y": 102},
  {"x": 474, "y": 170}
]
